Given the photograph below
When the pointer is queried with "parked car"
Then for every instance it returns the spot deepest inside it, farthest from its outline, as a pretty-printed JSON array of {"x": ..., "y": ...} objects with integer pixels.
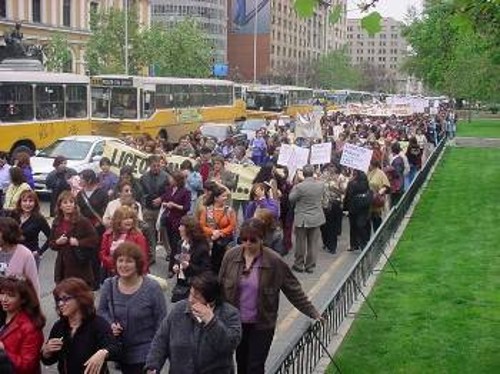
[
  {"x": 222, "y": 131},
  {"x": 82, "y": 152}
]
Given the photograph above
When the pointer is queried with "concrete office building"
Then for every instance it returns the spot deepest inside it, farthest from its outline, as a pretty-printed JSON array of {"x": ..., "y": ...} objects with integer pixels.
[
  {"x": 40, "y": 19},
  {"x": 383, "y": 53},
  {"x": 210, "y": 14},
  {"x": 285, "y": 43}
]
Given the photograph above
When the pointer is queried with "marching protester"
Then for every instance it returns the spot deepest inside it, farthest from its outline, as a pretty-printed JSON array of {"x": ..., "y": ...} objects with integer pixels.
[
  {"x": 23, "y": 161},
  {"x": 32, "y": 223},
  {"x": 220, "y": 175},
  {"x": 380, "y": 187},
  {"x": 75, "y": 240},
  {"x": 58, "y": 181},
  {"x": 200, "y": 334},
  {"x": 252, "y": 277},
  {"x": 127, "y": 175},
  {"x": 15, "y": 258},
  {"x": 4, "y": 176},
  {"x": 16, "y": 187},
  {"x": 259, "y": 199},
  {"x": 133, "y": 305},
  {"x": 125, "y": 198},
  {"x": 80, "y": 341},
  {"x": 107, "y": 179},
  {"x": 194, "y": 182},
  {"x": 21, "y": 324},
  {"x": 309, "y": 217}
]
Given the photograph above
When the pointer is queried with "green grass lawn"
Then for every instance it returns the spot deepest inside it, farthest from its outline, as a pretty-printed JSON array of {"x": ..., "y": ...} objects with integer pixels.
[
  {"x": 441, "y": 313},
  {"x": 482, "y": 128}
]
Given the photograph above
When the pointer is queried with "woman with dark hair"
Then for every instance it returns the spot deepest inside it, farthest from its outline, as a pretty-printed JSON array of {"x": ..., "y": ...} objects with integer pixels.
[
  {"x": 92, "y": 199},
  {"x": 125, "y": 197},
  {"x": 194, "y": 182},
  {"x": 218, "y": 222},
  {"x": 266, "y": 175},
  {"x": 124, "y": 228},
  {"x": 357, "y": 201},
  {"x": 127, "y": 174},
  {"x": 414, "y": 155},
  {"x": 21, "y": 325},
  {"x": 58, "y": 181},
  {"x": 74, "y": 239},
  {"x": 252, "y": 277},
  {"x": 80, "y": 341},
  {"x": 15, "y": 258},
  {"x": 395, "y": 173},
  {"x": 134, "y": 306},
  {"x": 23, "y": 161},
  {"x": 32, "y": 223},
  {"x": 286, "y": 210},
  {"x": 199, "y": 335},
  {"x": 259, "y": 199},
  {"x": 273, "y": 235},
  {"x": 107, "y": 179},
  {"x": 193, "y": 256},
  {"x": 176, "y": 201},
  {"x": 17, "y": 186}
]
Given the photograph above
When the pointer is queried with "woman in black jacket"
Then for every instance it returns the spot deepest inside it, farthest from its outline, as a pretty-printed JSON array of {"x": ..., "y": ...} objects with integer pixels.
[
  {"x": 357, "y": 202},
  {"x": 58, "y": 181},
  {"x": 32, "y": 223},
  {"x": 193, "y": 256}
]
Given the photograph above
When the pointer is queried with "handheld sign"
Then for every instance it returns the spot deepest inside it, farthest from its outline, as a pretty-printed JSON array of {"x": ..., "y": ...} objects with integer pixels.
[
  {"x": 356, "y": 157},
  {"x": 321, "y": 153}
]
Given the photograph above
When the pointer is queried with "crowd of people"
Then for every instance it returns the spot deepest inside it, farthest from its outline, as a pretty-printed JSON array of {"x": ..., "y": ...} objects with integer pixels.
[{"x": 225, "y": 255}]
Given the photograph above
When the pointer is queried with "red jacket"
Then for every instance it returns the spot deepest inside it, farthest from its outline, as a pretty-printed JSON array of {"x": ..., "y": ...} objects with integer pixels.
[
  {"x": 134, "y": 236},
  {"x": 23, "y": 341}
]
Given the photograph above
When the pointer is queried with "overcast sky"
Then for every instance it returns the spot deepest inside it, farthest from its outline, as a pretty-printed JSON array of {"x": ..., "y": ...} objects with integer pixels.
[{"x": 387, "y": 8}]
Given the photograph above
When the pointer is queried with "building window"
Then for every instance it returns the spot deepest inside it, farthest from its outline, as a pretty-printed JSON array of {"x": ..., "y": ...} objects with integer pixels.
[
  {"x": 3, "y": 9},
  {"x": 94, "y": 6},
  {"x": 67, "y": 13},
  {"x": 36, "y": 11}
]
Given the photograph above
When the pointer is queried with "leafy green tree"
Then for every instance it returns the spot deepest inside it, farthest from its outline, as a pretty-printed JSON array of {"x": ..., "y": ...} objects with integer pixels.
[
  {"x": 57, "y": 54},
  {"x": 334, "y": 70}
]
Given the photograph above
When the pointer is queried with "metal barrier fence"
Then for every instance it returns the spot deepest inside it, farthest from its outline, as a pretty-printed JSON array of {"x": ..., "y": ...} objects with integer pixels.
[{"x": 304, "y": 352}]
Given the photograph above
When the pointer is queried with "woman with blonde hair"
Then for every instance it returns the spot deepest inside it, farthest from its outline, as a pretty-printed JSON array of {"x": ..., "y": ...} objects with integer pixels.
[
  {"x": 17, "y": 186},
  {"x": 74, "y": 238},
  {"x": 124, "y": 228}
]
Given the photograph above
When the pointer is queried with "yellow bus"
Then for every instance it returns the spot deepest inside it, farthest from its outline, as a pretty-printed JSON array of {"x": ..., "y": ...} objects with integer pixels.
[
  {"x": 160, "y": 106},
  {"x": 271, "y": 101},
  {"x": 37, "y": 108}
]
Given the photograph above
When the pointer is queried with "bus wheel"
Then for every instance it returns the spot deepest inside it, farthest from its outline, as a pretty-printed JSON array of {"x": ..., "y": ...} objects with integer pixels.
[{"x": 22, "y": 147}]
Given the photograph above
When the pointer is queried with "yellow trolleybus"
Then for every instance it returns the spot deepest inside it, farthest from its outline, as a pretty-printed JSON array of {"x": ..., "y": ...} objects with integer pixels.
[
  {"x": 269, "y": 101},
  {"x": 168, "y": 107},
  {"x": 36, "y": 108}
]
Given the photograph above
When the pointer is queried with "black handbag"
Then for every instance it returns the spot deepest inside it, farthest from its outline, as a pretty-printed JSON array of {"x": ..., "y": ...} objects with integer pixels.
[
  {"x": 180, "y": 290},
  {"x": 83, "y": 255}
]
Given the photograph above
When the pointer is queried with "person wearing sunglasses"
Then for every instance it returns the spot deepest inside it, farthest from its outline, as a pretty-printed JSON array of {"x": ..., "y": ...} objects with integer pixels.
[
  {"x": 252, "y": 277},
  {"x": 80, "y": 341},
  {"x": 21, "y": 324}
]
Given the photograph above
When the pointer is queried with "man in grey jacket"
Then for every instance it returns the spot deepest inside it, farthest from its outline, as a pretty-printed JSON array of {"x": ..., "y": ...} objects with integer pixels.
[
  {"x": 200, "y": 335},
  {"x": 308, "y": 218}
]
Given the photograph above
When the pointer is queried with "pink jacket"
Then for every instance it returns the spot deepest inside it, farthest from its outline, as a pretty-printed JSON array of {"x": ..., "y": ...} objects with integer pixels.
[{"x": 23, "y": 263}]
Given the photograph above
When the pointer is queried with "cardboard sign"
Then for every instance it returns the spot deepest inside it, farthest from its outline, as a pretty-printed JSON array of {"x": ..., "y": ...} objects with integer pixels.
[
  {"x": 321, "y": 153},
  {"x": 122, "y": 155},
  {"x": 308, "y": 127},
  {"x": 286, "y": 151},
  {"x": 356, "y": 157}
]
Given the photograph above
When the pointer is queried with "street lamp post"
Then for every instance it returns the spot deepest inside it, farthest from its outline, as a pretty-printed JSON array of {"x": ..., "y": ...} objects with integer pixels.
[
  {"x": 126, "y": 37},
  {"x": 256, "y": 18}
]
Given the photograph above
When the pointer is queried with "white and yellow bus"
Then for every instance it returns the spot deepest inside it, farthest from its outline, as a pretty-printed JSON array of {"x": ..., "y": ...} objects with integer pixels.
[
  {"x": 37, "y": 107},
  {"x": 268, "y": 101},
  {"x": 168, "y": 107}
]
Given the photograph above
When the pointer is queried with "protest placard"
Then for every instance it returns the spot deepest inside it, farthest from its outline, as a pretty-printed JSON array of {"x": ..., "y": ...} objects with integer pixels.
[
  {"x": 356, "y": 157},
  {"x": 285, "y": 154},
  {"x": 321, "y": 153}
]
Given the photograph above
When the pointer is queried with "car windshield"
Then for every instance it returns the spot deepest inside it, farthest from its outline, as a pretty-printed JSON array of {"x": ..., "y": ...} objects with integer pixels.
[
  {"x": 253, "y": 125},
  {"x": 71, "y": 149},
  {"x": 219, "y": 132}
]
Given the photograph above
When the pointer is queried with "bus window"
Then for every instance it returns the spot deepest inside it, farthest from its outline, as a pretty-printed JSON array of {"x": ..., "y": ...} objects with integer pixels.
[
  {"x": 148, "y": 104},
  {"x": 164, "y": 97},
  {"x": 124, "y": 103},
  {"x": 76, "y": 101},
  {"x": 238, "y": 92},
  {"x": 100, "y": 102},
  {"x": 49, "y": 101},
  {"x": 16, "y": 102},
  {"x": 196, "y": 95}
]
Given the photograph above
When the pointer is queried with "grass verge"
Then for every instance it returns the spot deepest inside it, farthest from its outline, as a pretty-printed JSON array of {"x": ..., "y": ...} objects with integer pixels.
[
  {"x": 482, "y": 128},
  {"x": 441, "y": 314}
]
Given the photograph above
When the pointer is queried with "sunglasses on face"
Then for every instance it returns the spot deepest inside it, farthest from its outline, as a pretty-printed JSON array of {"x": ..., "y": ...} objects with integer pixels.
[
  {"x": 247, "y": 239},
  {"x": 63, "y": 299}
]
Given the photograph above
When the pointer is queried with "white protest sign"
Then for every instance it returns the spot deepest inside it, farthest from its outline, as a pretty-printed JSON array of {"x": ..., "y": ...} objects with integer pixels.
[
  {"x": 356, "y": 157},
  {"x": 309, "y": 128},
  {"x": 286, "y": 151},
  {"x": 302, "y": 157},
  {"x": 321, "y": 153}
]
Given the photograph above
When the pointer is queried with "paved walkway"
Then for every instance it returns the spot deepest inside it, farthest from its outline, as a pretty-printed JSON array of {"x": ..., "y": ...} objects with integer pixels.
[{"x": 477, "y": 142}]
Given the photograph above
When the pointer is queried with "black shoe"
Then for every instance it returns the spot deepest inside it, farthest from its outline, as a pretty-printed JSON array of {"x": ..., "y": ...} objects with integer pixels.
[{"x": 297, "y": 269}]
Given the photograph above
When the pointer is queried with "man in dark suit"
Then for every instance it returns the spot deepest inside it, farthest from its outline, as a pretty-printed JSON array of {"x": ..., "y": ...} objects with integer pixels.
[{"x": 308, "y": 219}]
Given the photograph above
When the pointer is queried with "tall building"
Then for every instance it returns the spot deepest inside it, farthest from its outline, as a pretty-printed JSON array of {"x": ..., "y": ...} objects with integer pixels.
[
  {"x": 283, "y": 42},
  {"x": 210, "y": 14},
  {"x": 383, "y": 53},
  {"x": 40, "y": 19}
]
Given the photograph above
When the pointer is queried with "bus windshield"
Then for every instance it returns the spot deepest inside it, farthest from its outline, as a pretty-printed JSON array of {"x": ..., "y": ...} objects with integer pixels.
[
  {"x": 114, "y": 102},
  {"x": 264, "y": 101}
]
